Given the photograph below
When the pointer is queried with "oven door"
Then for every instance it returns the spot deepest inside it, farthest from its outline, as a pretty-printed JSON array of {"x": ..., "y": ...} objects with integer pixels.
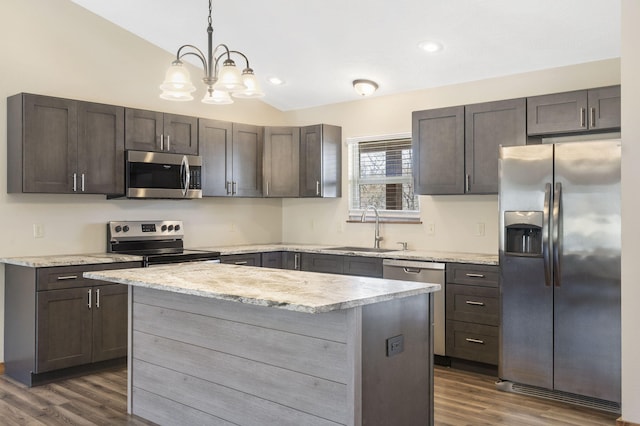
[{"x": 163, "y": 175}]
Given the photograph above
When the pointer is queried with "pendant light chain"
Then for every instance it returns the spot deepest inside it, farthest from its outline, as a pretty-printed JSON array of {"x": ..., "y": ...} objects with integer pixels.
[{"x": 210, "y": 22}]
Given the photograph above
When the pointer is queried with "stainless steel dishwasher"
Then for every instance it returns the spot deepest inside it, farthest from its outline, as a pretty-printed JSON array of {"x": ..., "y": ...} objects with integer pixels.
[{"x": 424, "y": 272}]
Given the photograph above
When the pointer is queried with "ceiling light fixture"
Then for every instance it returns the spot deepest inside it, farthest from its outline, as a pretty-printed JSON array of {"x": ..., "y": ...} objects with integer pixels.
[
  {"x": 221, "y": 81},
  {"x": 365, "y": 87},
  {"x": 431, "y": 46}
]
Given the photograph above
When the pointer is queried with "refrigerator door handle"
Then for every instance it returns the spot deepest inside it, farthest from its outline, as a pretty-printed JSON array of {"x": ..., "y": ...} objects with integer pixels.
[
  {"x": 545, "y": 235},
  {"x": 557, "y": 229}
]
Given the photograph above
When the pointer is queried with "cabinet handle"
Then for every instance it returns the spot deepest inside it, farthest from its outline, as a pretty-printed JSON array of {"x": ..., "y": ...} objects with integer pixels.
[
  {"x": 582, "y": 117},
  {"x": 471, "y": 302},
  {"x": 67, "y": 277},
  {"x": 296, "y": 261},
  {"x": 317, "y": 187},
  {"x": 475, "y": 275},
  {"x": 97, "y": 298},
  {"x": 467, "y": 182},
  {"x": 89, "y": 303},
  {"x": 162, "y": 142},
  {"x": 75, "y": 182},
  {"x": 592, "y": 117},
  {"x": 267, "y": 188},
  {"x": 241, "y": 262},
  {"x": 234, "y": 187},
  {"x": 480, "y": 342},
  {"x": 82, "y": 182},
  {"x": 227, "y": 184},
  {"x": 168, "y": 142}
]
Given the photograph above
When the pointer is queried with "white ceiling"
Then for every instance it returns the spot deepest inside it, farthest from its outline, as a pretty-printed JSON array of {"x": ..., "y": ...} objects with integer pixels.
[{"x": 318, "y": 47}]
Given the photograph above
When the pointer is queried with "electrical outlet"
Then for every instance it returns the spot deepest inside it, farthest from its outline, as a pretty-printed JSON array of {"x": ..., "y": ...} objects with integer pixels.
[
  {"x": 431, "y": 229},
  {"x": 395, "y": 345},
  {"x": 480, "y": 229},
  {"x": 232, "y": 227},
  {"x": 38, "y": 230}
]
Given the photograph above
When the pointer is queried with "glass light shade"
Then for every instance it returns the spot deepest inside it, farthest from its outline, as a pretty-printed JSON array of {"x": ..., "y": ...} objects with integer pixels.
[
  {"x": 365, "y": 87},
  {"x": 229, "y": 78},
  {"x": 177, "y": 79},
  {"x": 176, "y": 96},
  {"x": 217, "y": 97},
  {"x": 250, "y": 81}
]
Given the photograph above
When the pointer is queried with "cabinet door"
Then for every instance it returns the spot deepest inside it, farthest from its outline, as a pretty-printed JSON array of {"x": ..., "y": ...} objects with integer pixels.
[
  {"x": 109, "y": 322},
  {"x": 247, "y": 160},
  {"x": 438, "y": 151},
  {"x": 291, "y": 260},
  {"x": 214, "y": 139},
  {"x": 100, "y": 148},
  {"x": 180, "y": 134},
  {"x": 50, "y": 144},
  {"x": 604, "y": 108},
  {"x": 557, "y": 113},
  {"x": 63, "y": 337},
  {"x": 487, "y": 126},
  {"x": 311, "y": 161},
  {"x": 281, "y": 161},
  {"x": 363, "y": 266},
  {"x": 328, "y": 263},
  {"x": 143, "y": 129},
  {"x": 272, "y": 259}
]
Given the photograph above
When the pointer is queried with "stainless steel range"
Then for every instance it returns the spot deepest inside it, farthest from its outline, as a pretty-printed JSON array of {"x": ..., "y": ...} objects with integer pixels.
[{"x": 158, "y": 241}]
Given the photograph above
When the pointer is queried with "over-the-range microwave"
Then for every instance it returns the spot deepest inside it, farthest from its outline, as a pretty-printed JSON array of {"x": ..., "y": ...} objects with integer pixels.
[{"x": 163, "y": 175}]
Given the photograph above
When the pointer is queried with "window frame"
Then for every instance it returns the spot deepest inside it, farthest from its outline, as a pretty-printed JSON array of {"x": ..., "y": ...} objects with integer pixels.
[{"x": 355, "y": 214}]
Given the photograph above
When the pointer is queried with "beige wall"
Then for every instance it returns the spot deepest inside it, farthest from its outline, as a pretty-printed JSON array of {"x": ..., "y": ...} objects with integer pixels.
[
  {"x": 56, "y": 48},
  {"x": 630, "y": 207}
]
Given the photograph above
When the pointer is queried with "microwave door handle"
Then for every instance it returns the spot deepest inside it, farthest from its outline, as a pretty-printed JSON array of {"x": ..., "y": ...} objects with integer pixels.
[{"x": 184, "y": 175}]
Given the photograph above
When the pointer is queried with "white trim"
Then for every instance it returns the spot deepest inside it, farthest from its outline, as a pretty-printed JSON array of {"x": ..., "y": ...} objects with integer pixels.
[{"x": 389, "y": 137}]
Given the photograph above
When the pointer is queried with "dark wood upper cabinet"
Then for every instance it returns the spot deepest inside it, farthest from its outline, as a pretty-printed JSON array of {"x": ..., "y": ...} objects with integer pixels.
[
  {"x": 231, "y": 158},
  {"x": 438, "y": 151},
  {"x": 574, "y": 112},
  {"x": 282, "y": 162},
  {"x": 488, "y": 126},
  {"x": 157, "y": 131},
  {"x": 321, "y": 161},
  {"x": 455, "y": 149},
  {"x": 59, "y": 145}
]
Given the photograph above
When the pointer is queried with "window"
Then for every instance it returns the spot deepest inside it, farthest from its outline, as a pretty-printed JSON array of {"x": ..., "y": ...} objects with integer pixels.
[{"x": 380, "y": 175}]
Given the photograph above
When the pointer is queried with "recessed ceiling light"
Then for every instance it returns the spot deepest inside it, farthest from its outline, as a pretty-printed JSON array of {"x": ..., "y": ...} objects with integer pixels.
[
  {"x": 431, "y": 46},
  {"x": 276, "y": 81}
]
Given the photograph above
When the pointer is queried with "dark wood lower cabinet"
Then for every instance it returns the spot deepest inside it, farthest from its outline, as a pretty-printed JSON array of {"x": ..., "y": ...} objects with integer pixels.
[{"x": 58, "y": 323}]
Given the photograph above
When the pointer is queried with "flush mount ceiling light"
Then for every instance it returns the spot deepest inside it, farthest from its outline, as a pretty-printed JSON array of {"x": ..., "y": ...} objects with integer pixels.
[
  {"x": 365, "y": 87},
  {"x": 431, "y": 46},
  {"x": 222, "y": 81}
]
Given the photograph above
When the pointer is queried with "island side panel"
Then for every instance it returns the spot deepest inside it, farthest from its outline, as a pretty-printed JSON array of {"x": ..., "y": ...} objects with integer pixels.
[
  {"x": 397, "y": 389},
  {"x": 232, "y": 362}
]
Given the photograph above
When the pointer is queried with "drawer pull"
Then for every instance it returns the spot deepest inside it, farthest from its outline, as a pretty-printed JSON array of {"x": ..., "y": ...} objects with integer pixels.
[
  {"x": 478, "y": 341},
  {"x": 475, "y": 275},
  {"x": 471, "y": 302},
  {"x": 68, "y": 277},
  {"x": 241, "y": 262}
]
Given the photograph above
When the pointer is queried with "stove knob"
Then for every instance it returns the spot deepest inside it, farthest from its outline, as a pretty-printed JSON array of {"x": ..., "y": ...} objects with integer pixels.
[
  {"x": 125, "y": 228},
  {"x": 163, "y": 228},
  {"x": 118, "y": 228},
  {"x": 170, "y": 227},
  {"x": 177, "y": 228}
]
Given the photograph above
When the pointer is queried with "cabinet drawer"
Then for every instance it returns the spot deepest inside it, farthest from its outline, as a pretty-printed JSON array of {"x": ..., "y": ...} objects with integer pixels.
[
  {"x": 480, "y": 305},
  {"x": 71, "y": 276},
  {"x": 249, "y": 259},
  {"x": 363, "y": 266},
  {"x": 472, "y": 342},
  {"x": 482, "y": 275}
]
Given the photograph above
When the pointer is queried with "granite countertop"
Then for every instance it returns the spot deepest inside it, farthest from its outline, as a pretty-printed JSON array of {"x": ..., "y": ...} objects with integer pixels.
[
  {"x": 69, "y": 259},
  {"x": 424, "y": 255},
  {"x": 307, "y": 292}
]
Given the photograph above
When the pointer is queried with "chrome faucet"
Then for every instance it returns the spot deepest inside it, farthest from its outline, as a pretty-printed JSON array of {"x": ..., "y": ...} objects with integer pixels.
[{"x": 377, "y": 238}]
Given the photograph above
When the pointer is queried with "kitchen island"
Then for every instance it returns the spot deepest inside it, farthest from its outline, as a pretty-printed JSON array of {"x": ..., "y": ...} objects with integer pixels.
[{"x": 224, "y": 344}]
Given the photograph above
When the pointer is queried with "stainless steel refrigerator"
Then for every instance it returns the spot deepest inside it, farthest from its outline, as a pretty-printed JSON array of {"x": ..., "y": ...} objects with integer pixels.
[{"x": 560, "y": 268}]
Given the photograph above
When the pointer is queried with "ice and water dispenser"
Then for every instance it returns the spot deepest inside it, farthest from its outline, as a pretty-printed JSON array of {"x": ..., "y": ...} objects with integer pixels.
[{"x": 523, "y": 233}]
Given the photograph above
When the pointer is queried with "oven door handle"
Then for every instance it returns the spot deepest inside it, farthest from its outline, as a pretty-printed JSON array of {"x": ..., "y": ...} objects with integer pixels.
[{"x": 185, "y": 175}]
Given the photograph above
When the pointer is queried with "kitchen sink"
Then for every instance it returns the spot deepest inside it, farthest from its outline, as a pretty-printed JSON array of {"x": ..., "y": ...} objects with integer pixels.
[{"x": 363, "y": 249}]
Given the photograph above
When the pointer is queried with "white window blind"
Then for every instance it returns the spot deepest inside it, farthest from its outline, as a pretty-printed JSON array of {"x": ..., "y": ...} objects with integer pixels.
[{"x": 381, "y": 175}]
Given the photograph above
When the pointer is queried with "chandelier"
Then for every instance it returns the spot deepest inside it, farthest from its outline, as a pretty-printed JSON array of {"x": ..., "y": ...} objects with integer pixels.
[{"x": 222, "y": 81}]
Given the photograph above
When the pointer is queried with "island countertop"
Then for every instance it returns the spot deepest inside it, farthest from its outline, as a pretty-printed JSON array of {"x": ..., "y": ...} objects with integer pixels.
[{"x": 308, "y": 292}]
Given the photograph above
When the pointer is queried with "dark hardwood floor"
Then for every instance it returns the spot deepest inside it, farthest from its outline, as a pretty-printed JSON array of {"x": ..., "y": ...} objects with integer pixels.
[{"x": 461, "y": 398}]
